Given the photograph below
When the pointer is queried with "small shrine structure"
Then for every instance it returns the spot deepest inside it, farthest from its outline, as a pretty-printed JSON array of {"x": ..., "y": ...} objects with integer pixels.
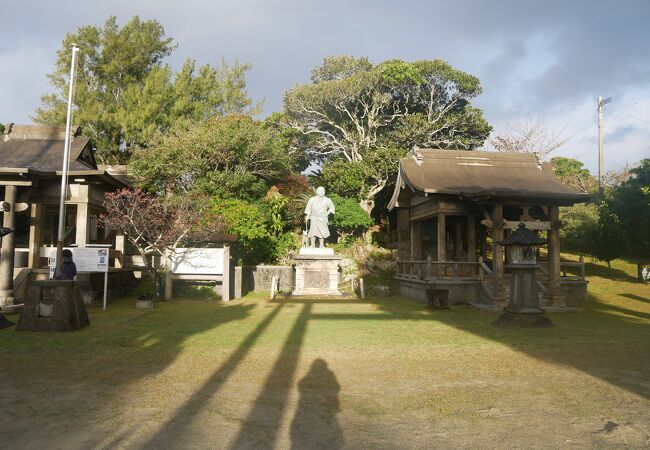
[
  {"x": 449, "y": 210},
  {"x": 30, "y": 186}
]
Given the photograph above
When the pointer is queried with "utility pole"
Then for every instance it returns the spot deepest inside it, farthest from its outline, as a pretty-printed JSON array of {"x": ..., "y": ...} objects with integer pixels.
[
  {"x": 66, "y": 162},
  {"x": 601, "y": 160}
]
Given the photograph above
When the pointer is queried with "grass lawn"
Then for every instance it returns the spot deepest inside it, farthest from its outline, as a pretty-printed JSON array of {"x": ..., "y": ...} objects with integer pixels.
[{"x": 379, "y": 373}]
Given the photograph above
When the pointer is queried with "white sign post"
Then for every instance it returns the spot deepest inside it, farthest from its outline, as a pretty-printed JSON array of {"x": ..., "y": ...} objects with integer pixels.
[{"x": 88, "y": 259}]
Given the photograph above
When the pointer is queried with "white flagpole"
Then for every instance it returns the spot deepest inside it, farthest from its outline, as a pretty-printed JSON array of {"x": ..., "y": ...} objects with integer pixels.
[{"x": 66, "y": 162}]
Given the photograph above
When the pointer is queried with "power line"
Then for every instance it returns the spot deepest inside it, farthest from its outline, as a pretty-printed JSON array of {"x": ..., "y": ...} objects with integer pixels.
[{"x": 631, "y": 115}]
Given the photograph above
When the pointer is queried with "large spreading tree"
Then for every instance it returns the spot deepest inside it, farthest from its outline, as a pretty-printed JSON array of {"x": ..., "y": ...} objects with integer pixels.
[
  {"x": 232, "y": 156},
  {"x": 124, "y": 93},
  {"x": 356, "y": 119}
]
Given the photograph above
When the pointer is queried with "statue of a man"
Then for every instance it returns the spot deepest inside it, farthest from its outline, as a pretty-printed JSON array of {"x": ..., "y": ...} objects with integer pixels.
[{"x": 316, "y": 212}]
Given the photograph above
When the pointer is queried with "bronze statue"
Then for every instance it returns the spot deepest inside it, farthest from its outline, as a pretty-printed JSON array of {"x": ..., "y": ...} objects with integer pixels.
[{"x": 317, "y": 211}]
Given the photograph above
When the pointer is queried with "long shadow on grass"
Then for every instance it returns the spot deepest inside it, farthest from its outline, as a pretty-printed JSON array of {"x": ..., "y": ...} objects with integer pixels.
[
  {"x": 607, "y": 341},
  {"x": 172, "y": 433},
  {"x": 315, "y": 423},
  {"x": 260, "y": 429},
  {"x": 636, "y": 297},
  {"x": 597, "y": 270},
  {"x": 88, "y": 369}
]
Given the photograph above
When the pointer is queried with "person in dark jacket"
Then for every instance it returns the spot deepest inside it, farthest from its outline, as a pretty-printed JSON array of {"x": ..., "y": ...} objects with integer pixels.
[{"x": 69, "y": 267}]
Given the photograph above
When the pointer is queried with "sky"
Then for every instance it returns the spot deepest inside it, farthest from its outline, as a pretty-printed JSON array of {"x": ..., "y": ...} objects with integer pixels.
[{"x": 545, "y": 61}]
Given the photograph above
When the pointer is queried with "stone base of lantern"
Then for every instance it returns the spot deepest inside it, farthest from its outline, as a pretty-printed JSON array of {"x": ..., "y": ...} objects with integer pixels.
[
  {"x": 53, "y": 305},
  {"x": 523, "y": 307}
]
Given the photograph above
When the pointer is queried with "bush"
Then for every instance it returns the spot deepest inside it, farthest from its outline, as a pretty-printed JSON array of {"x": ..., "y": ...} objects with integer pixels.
[
  {"x": 610, "y": 240},
  {"x": 579, "y": 224},
  {"x": 260, "y": 228},
  {"x": 349, "y": 218}
]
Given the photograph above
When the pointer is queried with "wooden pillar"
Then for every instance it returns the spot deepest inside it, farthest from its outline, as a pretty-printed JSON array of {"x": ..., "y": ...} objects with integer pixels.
[
  {"x": 554, "y": 256},
  {"x": 169, "y": 284},
  {"x": 416, "y": 241},
  {"x": 120, "y": 246},
  {"x": 442, "y": 239},
  {"x": 35, "y": 233},
  {"x": 82, "y": 224},
  {"x": 484, "y": 244},
  {"x": 458, "y": 240},
  {"x": 497, "y": 250},
  {"x": 471, "y": 238},
  {"x": 225, "y": 283},
  {"x": 8, "y": 248}
]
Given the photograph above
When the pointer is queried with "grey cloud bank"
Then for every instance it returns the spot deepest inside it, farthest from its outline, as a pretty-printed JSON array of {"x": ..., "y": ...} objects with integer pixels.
[{"x": 547, "y": 60}]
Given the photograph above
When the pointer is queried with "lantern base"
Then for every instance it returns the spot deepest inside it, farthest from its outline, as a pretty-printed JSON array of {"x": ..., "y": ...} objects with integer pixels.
[
  {"x": 5, "y": 323},
  {"x": 523, "y": 320}
]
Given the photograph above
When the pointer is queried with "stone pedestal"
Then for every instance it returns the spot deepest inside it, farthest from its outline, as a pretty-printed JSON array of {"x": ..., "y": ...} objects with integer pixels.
[
  {"x": 53, "y": 305},
  {"x": 523, "y": 308},
  {"x": 317, "y": 274}
]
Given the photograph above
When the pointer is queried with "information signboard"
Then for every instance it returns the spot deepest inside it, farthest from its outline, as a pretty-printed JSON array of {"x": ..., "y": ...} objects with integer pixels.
[
  {"x": 87, "y": 259},
  {"x": 197, "y": 261}
]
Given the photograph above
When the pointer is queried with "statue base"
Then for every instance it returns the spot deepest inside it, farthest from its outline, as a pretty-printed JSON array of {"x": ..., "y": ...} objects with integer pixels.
[
  {"x": 317, "y": 274},
  {"x": 316, "y": 251}
]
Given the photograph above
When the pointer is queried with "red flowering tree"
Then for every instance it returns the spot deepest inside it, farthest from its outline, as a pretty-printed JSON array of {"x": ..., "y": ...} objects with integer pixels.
[{"x": 156, "y": 226}]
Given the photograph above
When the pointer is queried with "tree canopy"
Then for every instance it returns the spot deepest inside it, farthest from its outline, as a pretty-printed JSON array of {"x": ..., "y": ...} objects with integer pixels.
[
  {"x": 631, "y": 202},
  {"x": 573, "y": 174},
  {"x": 231, "y": 156},
  {"x": 124, "y": 93},
  {"x": 357, "y": 119},
  {"x": 157, "y": 225}
]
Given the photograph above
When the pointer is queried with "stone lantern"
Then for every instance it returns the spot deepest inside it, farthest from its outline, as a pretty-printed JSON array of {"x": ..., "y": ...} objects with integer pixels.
[{"x": 523, "y": 306}]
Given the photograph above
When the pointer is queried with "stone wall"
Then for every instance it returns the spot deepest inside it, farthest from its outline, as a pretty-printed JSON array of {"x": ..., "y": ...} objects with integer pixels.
[
  {"x": 459, "y": 291},
  {"x": 574, "y": 292},
  {"x": 258, "y": 278}
]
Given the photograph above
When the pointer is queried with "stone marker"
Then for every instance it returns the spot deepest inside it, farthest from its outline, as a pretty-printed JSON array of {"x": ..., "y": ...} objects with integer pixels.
[{"x": 53, "y": 305}]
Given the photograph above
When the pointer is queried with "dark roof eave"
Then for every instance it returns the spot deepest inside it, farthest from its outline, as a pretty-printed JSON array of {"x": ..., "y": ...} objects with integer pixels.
[
  {"x": 542, "y": 196},
  {"x": 103, "y": 174},
  {"x": 493, "y": 195},
  {"x": 25, "y": 171}
]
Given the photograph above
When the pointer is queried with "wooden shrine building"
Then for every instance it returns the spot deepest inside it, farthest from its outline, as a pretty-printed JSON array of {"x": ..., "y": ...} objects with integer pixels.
[
  {"x": 452, "y": 206},
  {"x": 30, "y": 184}
]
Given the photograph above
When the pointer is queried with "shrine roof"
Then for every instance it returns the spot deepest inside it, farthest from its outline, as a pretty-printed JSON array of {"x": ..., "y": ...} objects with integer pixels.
[
  {"x": 40, "y": 148},
  {"x": 482, "y": 176}
]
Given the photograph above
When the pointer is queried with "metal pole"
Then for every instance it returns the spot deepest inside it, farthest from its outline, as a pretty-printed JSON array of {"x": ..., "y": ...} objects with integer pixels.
[
  {"x": 105, "y": 286},
  {"x": 601, "y": 164},
  {"x": 64, "y": 176}
]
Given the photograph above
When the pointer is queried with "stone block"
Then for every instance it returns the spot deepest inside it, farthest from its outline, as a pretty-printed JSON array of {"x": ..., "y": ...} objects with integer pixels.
[
  {"x": 53, "y": 305},
  {"x": 258, "y": 278},
  {"x": 316, "y": 251},
  {"x": 317, "y": 275}
]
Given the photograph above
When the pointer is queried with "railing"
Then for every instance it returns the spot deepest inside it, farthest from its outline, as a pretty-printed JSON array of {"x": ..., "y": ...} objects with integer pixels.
[
  {"x": 575, "y": 268},
  {"x": 569, "y": 270},
  {"x": 429, "y": 270},
  {"x": 486, "y": 277}
]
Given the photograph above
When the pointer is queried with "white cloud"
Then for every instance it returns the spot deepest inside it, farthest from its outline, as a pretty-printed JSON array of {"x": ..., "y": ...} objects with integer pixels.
[{"x": 542, "y": 59}]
